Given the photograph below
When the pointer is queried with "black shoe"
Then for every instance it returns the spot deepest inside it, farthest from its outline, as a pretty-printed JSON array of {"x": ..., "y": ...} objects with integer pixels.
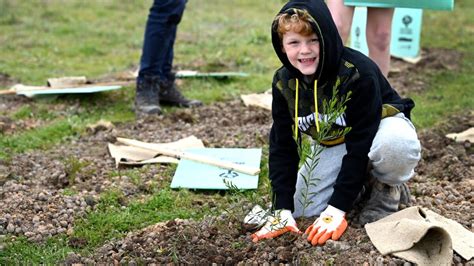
[
  {"x": 147, "y": 96},
  {"x": 169, "y": 94},
  {"x": 384, "y": 200}
]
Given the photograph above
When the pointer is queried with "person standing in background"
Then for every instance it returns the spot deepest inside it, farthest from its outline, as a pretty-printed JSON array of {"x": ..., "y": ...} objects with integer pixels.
[
  {"x": 378, "y": 30},
  {"x": 156, "y": 82}
]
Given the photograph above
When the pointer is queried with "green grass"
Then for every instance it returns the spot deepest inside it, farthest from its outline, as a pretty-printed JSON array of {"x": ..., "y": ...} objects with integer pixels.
[
  {"x": 43, "y": 39},
  {"x": 21, "y": 252},
  {"x": 60, "y": 127},
  {"x": 110, "y": 220},
  {"x": 35, "y": 139},
  {"x": 448, "y": 92}
]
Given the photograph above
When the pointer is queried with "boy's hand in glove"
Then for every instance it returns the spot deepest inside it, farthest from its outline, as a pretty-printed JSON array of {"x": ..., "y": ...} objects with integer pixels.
[
  {"x": 330, "y": 224},
  {"x": 277, "y": 224},
  {"x": 255, "y": 219}
]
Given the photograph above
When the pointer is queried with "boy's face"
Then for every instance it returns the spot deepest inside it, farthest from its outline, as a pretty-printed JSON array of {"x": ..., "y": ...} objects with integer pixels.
[{"x": 302, "y": 51}]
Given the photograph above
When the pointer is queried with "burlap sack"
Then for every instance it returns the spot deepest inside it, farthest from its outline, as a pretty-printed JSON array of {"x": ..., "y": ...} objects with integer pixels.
[{"x": 409, "y": 234}]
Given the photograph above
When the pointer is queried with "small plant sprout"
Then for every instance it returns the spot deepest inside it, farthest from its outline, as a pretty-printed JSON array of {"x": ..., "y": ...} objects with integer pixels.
[{"x": 310, "y": 151}]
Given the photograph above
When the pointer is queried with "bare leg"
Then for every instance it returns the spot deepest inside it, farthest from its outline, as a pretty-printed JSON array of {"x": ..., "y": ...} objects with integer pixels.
[
  {"x": 378, "y": 32},
  {"x": 342, "y": 16}
]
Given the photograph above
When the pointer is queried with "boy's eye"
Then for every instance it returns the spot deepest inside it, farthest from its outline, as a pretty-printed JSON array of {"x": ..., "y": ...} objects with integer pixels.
[{"x": 315, "y": 40}]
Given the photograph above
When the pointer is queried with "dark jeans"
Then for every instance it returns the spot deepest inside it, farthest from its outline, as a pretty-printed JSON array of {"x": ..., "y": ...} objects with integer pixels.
[{"x": 160, "y": 34}]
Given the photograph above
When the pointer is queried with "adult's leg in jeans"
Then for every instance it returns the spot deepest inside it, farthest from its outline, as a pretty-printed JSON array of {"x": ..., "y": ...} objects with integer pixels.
[
  {"x": 157, "y": 56},
  {"x": 173, "y": 22},
  {"x": 342, "y": 16},
  {"x": 378, "y": 33},
  {"x": 160, "y": 34}
]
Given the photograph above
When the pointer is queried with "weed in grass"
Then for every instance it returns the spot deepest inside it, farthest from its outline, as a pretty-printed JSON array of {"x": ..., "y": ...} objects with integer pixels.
[
  {"x": 236, "y": 196},
  {"x": 110, "y": 199},
  {"x": 175, "y": 254},
  {"x": 73, "y": 167},
  {"x": 69, "y": 192},
  {"x": 238, "y": 245},
  {"x": 329, "y": 262},
  {"x": 24, "y": 112},
  {"x": 135, "y": 175}
]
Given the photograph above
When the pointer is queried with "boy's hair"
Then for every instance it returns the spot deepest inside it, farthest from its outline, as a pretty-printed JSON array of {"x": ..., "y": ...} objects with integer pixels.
[{"x": 298, "y": 21}]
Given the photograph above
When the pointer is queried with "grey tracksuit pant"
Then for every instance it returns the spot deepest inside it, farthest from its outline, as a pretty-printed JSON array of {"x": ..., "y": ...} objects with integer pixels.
[{"x": 394, "y": 153}]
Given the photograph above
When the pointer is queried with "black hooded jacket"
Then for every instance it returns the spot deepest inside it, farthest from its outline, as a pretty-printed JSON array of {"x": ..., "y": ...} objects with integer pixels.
[{"x": 371, "y": 98}]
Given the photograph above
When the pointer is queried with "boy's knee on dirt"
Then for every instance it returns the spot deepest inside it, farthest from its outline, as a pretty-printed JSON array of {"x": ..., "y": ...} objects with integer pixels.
[{"x": 395, "y": 151}]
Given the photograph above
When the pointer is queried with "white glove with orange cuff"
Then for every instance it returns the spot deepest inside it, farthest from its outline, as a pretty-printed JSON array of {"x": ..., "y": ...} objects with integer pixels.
[
  {"x": 330, "y": 224},
  {"x": 277, "y": 224}
]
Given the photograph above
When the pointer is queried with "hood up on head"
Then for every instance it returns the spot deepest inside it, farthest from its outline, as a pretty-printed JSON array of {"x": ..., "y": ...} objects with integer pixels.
[{"x": 331, "y": 46}]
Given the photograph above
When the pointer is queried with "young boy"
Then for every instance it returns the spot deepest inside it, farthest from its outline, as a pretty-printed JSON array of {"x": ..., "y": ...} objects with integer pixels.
[{"x": 381, "y": 136}]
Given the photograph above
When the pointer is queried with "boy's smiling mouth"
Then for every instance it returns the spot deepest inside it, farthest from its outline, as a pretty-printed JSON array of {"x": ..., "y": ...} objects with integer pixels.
[{"x": 307, "y": 60}]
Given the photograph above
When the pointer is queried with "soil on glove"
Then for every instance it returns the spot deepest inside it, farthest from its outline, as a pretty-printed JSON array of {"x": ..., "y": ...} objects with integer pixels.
[{"x": 34, "y": 204}]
